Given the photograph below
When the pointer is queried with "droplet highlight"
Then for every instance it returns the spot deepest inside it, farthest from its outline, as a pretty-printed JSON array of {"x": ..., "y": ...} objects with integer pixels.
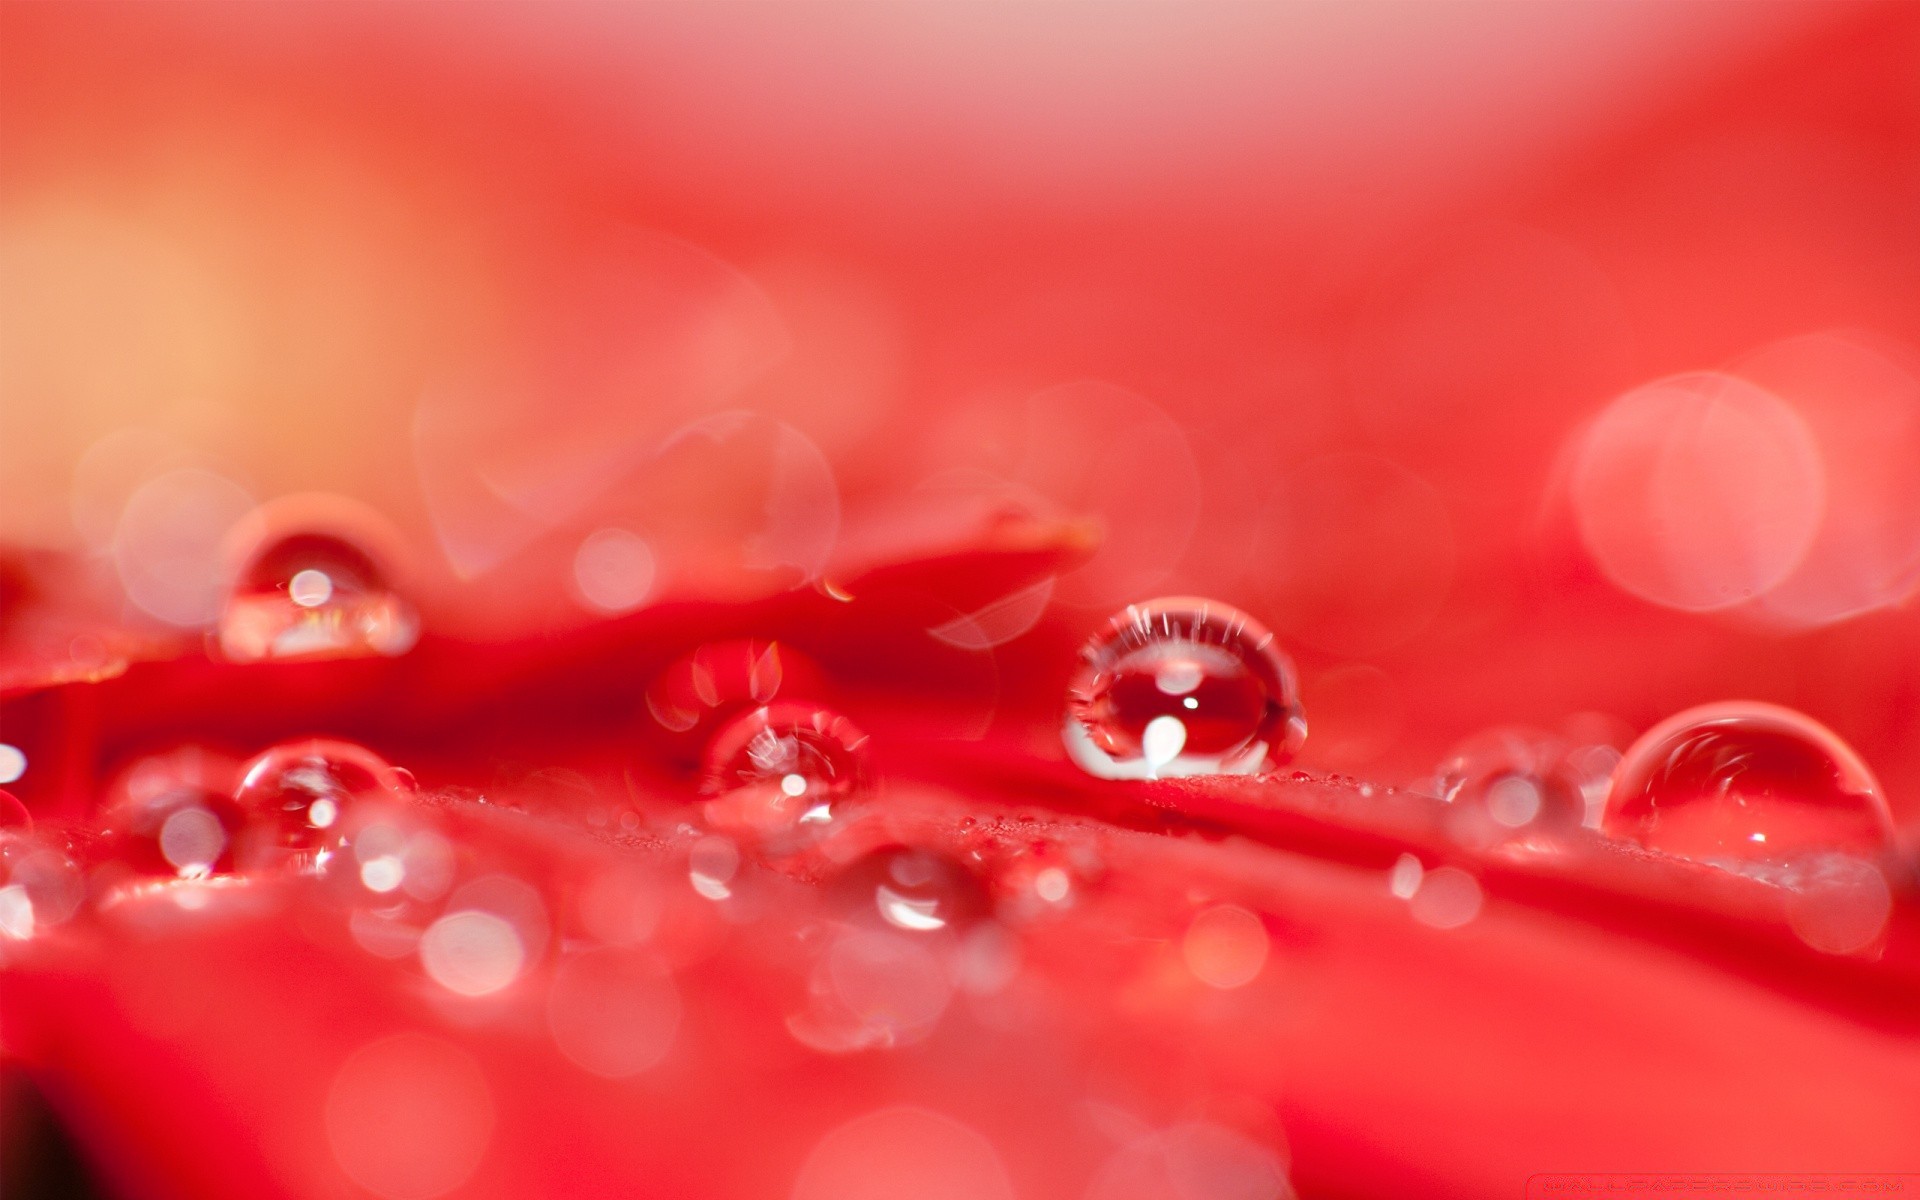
[
  {"x": 1182, "y": 686},
  {"x": 781, "y": 766}
]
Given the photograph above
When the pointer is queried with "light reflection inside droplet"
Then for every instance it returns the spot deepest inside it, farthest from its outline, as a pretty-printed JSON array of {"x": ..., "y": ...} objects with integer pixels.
[
  {"x": 1163, "y": 740},
  {"x": 711, "y": 865},
  {"x": 310, "y": 588},
  {"x": 793, "y": 784},
  {"x": 13, "y": 763},
  {"x": 191, "y": 840},
  {"x": 907, "y": 912}
]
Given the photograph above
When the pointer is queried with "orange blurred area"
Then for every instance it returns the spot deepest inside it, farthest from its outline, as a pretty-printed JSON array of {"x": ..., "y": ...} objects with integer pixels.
[{"x": 1348, "y": 315}]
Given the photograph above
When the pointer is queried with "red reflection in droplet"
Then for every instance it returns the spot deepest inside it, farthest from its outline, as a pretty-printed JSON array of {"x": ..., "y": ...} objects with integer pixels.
[{"x": 1746, "y": 780}]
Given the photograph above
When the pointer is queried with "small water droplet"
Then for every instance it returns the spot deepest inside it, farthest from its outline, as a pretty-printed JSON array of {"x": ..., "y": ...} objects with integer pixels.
[
  {"x": 1744, "y": 781},
  {"x": 40, "y": 886},
  {"x": 1508, "y": 780},
  {"x": 1182, "y": 686},
  {"x": 297, "y": 795},
  {"x": 312, "y": 595},
  {"x": 913, "y": 889},
  {"x": 779, "y": 766},
  {"x": 172, "y": 815}
]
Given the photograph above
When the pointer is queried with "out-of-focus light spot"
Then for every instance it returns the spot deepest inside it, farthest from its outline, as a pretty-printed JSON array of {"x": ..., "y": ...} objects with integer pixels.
[
  {"x": 16, "y": 912},
  {"x": 997, "y": 623},
  {"x": 13, "y": 762},
  {"x": 903, "y": 1153},
  {"x": 472, "y": 953},
  {"x": 382, "y": 874},
  {"x": 1357, "y": 554},
  {"x": 1447, "y": 898},
  {"x": 1699, "y": 491},
  {"x": 1403, "y": 880},
  {"x": 873, "y": 990},
  {"x": 191, "y": 840},
  {"x": 711, "y": 865},
  {"x": 612, "y": 1012},
  {"x": 409, "y": 1117},
  {"x": 1093, "y": 448},
  {"x": 1162, "y": 740},
  {"x": 1840, "y": 905},
  {"x": 310, "y": 588},
  {"x": 168, "y": 547},
  {"x": 1195, "y": 1160},
  {"x": 1052, "y": 884},
  {"x": 613, "y": 570},
  {"x": 793, "y": 785},
  {"x": 622, "y": 906},
  {"x": 1861, "y": 400},
  {"x": 1513, "y": 800},
  {"x": 1225, "y": 947}
]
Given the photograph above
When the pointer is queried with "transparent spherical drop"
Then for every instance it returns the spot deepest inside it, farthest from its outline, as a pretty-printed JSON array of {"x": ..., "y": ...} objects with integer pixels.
[
  {"x": 314, "y": 595},
  {"x": 1182, "y": 686},
  {"x": 783, "y": 765},
  {"x": 1509, "y": 780},
  {"x": 174, "y": 816},
  {"x": 297, "y": 796},
  {"x": 912, "y": 889},
  {"x": 40, "y": 885},
  {"x": 1745, "y": 781}
]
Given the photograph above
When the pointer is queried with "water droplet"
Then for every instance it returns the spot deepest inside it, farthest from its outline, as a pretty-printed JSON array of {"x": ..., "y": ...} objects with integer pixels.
[
  {"x": 1509, "y": 780},
  {"x": 312, "y": 595},
  {"x": 40, "y": 885},
  {"x": 13, "y": 814},
  {"x": 1744, "y": 781},
  {"x": 173, "y": 815},
  {"x": 297, "y": 794},
  {"x": 1182, "y": 686},
  {"x": 912, "y": 889},
  {"x": 781, "y": 766}
]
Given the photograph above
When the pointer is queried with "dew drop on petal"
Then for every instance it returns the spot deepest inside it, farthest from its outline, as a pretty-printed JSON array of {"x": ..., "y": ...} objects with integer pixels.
[
  {"x": 1509, "y": 780},
  {"x": 40, "y": 886},
  {"x": 1744, "y": 781},
  {"x": 1182, "y": 686},
  {"x": 772, "y": 767},
  {"x": 296, "y": 795},
  {"x": 173, "y": 814},
  {"x": 912, "y": 889},
  {"x": 306, "y": 595}
]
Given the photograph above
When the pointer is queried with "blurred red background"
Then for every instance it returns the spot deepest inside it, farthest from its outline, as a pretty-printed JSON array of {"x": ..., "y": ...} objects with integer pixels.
[{"x": 1308, "y": 307}]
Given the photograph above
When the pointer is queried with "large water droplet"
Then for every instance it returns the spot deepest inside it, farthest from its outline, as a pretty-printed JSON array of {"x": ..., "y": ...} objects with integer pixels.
[
  {"x": 1744, "y": 781},
  {"x": 314, "y": 595},
  {"x": 781, "y": 766},
  {"x": 913, "y": 889},
  {"x": 1511, "y": 780},
  {"x": 1182, "y": 686},
  {"x": 297, "y": 795}
]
